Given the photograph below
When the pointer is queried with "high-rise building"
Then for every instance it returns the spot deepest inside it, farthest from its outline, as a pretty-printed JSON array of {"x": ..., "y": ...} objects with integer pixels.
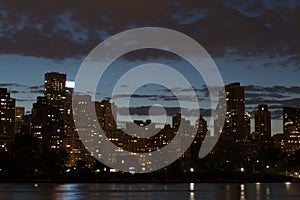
[
  {"x": 19, "y": 115},
  {"x": 7, "y": 119},
  {"x": 56, "y": 96},
  {"x": 237, "y": 122},
  {"x": 39, "y": 114},
  {"x": 176, "y": 120},
  {"x": 86, "y": 129},
  {"x": 291, "y": 120},
  {"x": 291, "y": 129},
  {"x": 201, "y": 125},
  {"x": 179, "y": 121},
  {"x": 106, "y": 114},
  {"x": 55, "y": 86},
  {"x": 263, "y": 123},
  {"x": 53, "y": 123},
  {"x": 72, "y": 143}
]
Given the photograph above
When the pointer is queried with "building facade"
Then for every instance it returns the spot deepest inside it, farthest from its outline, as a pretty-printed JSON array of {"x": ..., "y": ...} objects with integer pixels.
[
  {"x": 7, "y": 119},
  {"x": 237, "y": 121},
  {"x": 262, "y": 123}
]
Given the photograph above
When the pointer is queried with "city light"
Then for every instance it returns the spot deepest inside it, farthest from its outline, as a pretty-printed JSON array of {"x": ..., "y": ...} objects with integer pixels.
[{"x": 70, "y": 84}]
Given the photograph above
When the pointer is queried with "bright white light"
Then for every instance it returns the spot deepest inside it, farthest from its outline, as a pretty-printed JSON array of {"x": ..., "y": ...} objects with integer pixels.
[
  {"x": 192, "y": 186},
  {"x": 242, "y": 169},
  {"x": 287, "y": 185},
  {"x": 113, "y": 170},
  {"x": 191, "y": 169},
  {"x": 70, "y": 84}
]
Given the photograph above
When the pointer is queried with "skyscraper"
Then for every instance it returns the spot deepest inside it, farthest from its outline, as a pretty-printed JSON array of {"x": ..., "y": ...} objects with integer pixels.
[
  {"x": 291, "y": 120},
  {"x": 39, "y": 114},
  {"x": 19, "y": 114},
  {"x": 53, "y": 123},
  {"x": 176, "y": 120},
  {"x": 7, "y": 119},
  {"x": 106, "y": 112},
  {"x": 237, "y": 126},
  {"x": 72, "y": 143},
  {"x": 263, "y": 123},
  {"x": 291, "y": 129},
  {"x": 55, "y": 86},
  {"x": 55, "y": 94}
]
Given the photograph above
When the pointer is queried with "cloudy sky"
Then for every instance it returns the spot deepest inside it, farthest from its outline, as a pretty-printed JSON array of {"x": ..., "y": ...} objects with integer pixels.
[{"x": 254, "y": 42}]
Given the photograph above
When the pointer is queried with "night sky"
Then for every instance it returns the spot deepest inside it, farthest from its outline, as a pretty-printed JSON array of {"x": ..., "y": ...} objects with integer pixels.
[{"x": 254, "y": 42}]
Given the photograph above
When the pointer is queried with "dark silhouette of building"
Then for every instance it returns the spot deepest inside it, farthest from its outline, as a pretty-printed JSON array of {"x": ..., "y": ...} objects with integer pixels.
[
  {"x": 7, "y": 119},
  {"x": 201, "y": 125},
  {"x": 39, "y": 114},
  {"x": 56, "y": 96},
  {"x": 53, "y": 123},
  {"x": 262, "y": 123},
  {"x": 291, "y": 120},
  {"x": 19, "y": 119},
  {"x": 176, "y": 120},
  {"x": 106, "y": 114},
  {"x": 291, "y": 129},
  {"x": 179, "y": 121},
  {"x": 72, "y": 143},
  {"x": 237, "y": 122}
]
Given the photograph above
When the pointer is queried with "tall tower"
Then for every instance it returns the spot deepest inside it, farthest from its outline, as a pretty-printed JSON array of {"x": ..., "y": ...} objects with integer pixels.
[
  {"x": 176, "y": 120},
  {"x": 55, "y": 86},
  {"x": 19, "y": 115},
  {"x": 39, "y": 118},
  {"x": 263, "y": 122},
  {"x": 56, "y": 96},
  {"x": 237, "y": 122},
  {"x": 106, "y": 112},
  {"x": 291, "y": 120},
  {"x": 7, "y": 119}
]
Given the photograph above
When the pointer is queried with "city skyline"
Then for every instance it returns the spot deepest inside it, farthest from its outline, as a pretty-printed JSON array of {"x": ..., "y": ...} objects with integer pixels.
[
  {"x": 86, "y": 134},
  {"x": 174, "y": 110},
  {"x": 258, "y": 46}
]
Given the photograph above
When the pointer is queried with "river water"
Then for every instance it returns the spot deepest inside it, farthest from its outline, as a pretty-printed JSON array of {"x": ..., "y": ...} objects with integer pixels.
[{"x": 150, "y": 191}]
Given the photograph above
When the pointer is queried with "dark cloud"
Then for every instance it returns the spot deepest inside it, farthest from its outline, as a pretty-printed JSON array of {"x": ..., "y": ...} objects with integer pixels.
[
  {"x": 158, "y": 97},
  {"x": 60, "y": 29},
  {"x": 273, "y": 95},
  {"x": 37, "y": 91},
  {"x": 170, "y": 111},
  {"x": 11, "y": 85},
  {"x": 280, "y": 91},
  {"x": 36, "y": 87},
  {"x": 25, "y": 100},
  {"x": 16, "y": 89}
]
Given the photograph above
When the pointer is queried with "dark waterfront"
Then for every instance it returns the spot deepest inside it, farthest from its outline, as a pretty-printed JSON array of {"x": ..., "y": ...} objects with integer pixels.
[{"x": 151, "y": 191}]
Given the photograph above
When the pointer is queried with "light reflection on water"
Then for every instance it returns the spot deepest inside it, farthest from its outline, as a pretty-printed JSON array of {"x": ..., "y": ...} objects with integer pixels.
[
  {"x": 192, "y": 193},
  {"x": 151, "y": 191}
]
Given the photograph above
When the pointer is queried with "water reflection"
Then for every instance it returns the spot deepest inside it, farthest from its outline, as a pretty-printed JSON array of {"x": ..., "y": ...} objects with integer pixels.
[
  {"x": 258, "y": 193},
  {"x": 228, "y": 192},
  {"x": 268, "y": 192},
  {"x": 242, "y": 196},
  {"x": 151, "y": 191},
  {"x": 67, "y": 192},
  {"x": 192, "y": 193},
  {"x": 287, "y": 185}
]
